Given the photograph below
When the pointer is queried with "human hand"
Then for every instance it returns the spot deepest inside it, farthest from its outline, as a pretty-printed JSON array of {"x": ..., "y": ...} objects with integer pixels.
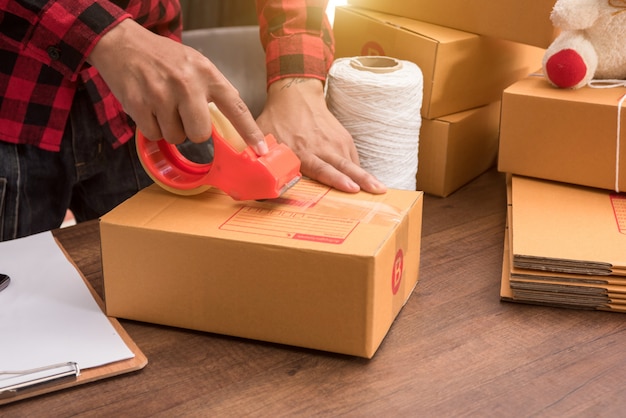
[
  {"x": 296, "y": 114},
  {"x": 166, "y": 86}
]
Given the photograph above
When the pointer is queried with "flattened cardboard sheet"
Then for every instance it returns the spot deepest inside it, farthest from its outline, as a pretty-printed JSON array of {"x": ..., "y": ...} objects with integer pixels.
[
  {"x": 553, "y": 287},
  {"x": 552, "y": 292},
  {"x": 565, "y": 228}
]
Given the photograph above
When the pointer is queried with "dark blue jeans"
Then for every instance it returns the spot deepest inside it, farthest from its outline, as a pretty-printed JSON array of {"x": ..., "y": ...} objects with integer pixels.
[{"x": 87, "y": 176}]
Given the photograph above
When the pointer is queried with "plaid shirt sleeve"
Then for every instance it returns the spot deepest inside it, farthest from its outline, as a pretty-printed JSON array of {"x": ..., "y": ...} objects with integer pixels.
[
  {"x": 43, "y": 49},
  {"x": 297, "y": 38}
]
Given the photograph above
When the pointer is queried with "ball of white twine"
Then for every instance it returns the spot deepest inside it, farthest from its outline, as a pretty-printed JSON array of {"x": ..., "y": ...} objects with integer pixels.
[{"x": 378, "y": 101}]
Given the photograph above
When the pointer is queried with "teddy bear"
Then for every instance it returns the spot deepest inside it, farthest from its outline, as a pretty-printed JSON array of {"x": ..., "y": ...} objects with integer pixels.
[{"x": 591, "y": 43}]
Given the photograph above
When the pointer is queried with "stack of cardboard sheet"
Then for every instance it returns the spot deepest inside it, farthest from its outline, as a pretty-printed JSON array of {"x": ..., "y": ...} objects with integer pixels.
[
  {"x": 469, "y": 52},
  {"x": 565, "y": 245},
  {"x": 566, "y": 232}
]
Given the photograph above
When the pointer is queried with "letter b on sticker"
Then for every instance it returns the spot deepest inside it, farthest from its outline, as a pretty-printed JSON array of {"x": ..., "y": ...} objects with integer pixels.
[{"x": 398, "y": 269}]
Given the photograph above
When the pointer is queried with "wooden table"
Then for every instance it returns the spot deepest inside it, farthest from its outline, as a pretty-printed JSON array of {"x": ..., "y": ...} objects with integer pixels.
[{"x": 455, "y": 349}]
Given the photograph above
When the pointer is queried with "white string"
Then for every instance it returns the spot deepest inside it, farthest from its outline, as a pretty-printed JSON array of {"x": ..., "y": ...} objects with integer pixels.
[
  {"x": 381, "y": 110},
  {"x": 609, "y": 84}
]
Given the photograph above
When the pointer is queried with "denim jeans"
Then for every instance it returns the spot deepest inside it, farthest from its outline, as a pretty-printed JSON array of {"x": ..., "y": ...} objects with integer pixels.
[{"x": 87, "y": 176}]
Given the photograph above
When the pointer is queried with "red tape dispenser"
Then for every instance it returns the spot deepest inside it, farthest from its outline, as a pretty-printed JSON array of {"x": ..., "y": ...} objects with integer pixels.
[{"x": 235, "y": 169}]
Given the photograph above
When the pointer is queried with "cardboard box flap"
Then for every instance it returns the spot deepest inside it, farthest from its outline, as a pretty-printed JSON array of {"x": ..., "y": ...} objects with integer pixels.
[
  {"x": 437, "y": 33},
  {"x": 311, "y": 215},
  {"x": 526, "y": 22},
  {"x": 567, "y": 228}
]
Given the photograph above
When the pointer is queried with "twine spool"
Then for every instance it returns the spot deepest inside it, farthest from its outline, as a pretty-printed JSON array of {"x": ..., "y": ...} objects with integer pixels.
[{"x": 378, "y": 101}]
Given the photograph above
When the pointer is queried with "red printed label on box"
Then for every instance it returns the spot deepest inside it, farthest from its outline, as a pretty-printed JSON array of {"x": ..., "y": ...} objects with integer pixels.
[
  {"x": 306, "y": 193},
  {"x": 398, "y": 269},
  {"x": 289, "y": 224},
  {"x": 372, "y": 48},
  {"x": 618, "y": 201}
]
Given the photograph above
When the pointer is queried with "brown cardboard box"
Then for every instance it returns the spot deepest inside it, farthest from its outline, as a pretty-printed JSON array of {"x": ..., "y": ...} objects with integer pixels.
[
  {"x": 455, "y": 149},
  {"x": 461, "y": 70},
  {"x": 562, "y": 135},
  {"x": 316, "y": 268},
  {"x": 526, "y": 22}
]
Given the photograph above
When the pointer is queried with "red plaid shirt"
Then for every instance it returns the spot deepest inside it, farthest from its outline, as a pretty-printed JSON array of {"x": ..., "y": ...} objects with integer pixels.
[{"x": 44, "y": 45}]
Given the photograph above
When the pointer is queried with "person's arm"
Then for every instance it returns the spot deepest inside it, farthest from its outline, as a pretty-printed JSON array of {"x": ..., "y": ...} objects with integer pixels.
[{"x": 299, "y": 47}]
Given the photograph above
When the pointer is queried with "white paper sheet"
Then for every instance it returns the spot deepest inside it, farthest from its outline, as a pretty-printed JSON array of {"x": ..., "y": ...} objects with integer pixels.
[{"x": 47, "y": 314}]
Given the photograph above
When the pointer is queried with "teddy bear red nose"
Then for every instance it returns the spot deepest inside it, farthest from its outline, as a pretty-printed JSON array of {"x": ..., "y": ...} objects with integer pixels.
[{"x": 566, "y": 68}]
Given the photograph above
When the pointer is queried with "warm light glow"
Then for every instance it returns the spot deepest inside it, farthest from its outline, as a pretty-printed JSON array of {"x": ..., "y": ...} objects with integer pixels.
[{"x": 331, "y": 8}]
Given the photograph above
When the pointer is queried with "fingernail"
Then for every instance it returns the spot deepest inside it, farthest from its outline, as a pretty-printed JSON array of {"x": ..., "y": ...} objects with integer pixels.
[
  {"x": 378, "y": 187},
  {"x": 261, "y": 148},
  {"x": 352, "y": 186}
]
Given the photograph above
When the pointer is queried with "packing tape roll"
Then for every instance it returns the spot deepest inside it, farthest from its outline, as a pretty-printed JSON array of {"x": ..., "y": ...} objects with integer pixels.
[{"x": 378, "y": 100}]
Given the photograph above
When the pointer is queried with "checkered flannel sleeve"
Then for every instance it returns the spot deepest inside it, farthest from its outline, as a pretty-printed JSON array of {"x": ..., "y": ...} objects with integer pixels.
[
  {"x": 43, "y": 50},
  {"x": 297, "y": 38}
]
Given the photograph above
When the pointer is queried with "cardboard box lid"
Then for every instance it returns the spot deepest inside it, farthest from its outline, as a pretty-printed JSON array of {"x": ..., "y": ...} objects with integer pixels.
[
  {"x": 566, "y": 228},
  {"x": 309, "y": 216},
  {"x": 537, "y": 86},
  {"x": 436, "y": 33},
  {"x": 526, "y": 22}
]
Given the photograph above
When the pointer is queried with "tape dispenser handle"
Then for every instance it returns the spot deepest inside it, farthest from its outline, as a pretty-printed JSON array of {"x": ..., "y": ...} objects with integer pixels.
[{"x": 174, "y": 172}]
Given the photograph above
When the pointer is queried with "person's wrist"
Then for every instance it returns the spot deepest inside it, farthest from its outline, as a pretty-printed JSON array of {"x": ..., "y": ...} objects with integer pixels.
[
  {"x": 112, "y": 39},
  {"x": 302, "y": 84}
]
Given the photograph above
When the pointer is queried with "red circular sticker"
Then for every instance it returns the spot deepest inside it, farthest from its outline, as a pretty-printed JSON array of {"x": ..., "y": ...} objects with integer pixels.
[
  {"x": 396, "y": 274},
  {"x": 372, "y": 48}
]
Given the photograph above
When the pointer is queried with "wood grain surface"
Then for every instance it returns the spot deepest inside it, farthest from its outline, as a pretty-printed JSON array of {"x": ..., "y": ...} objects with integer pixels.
[{"x": 454, "y": 350}]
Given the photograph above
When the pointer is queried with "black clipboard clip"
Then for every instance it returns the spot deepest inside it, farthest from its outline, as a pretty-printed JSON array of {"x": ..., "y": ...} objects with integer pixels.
[{"x": 15, "y": 381}]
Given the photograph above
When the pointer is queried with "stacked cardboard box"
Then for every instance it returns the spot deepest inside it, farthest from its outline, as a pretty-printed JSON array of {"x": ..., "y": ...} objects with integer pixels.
[
  {"x": 464, "y": 76},
  {"x": 566, "y": 236}
]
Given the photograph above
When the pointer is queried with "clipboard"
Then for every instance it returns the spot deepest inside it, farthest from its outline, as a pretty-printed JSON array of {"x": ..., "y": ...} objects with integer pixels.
[{"x": 68, "y": 375}]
